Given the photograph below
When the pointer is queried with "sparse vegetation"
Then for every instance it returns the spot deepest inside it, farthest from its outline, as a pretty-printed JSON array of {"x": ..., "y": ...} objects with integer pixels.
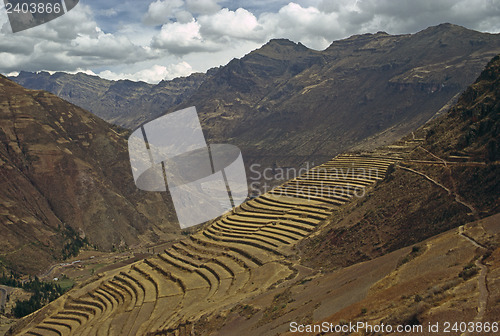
[
  {"x": 277, "y": 307},
  {"x": 42, "y": 294},
  {"x": 303, "y": 281},
  {"x": 415, "y": 252},
  {"x": 469, "y": 271},
  {"x": 246, "y": 310},
  {"x": 73, "y": 243}
]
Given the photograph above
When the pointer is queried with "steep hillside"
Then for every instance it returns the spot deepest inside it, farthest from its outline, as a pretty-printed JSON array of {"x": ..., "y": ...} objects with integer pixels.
[
  {"x": 410, "y": 253},
  {"x": 65, "y": 176},
  {"x": 122, "y": 102},
  {"x": 476, "y": 116},
  {"x": 448, "y": 178}
]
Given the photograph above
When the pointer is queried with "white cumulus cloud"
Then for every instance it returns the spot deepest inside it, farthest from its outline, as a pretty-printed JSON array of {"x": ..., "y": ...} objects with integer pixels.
[
  {"x": 308, "y": 25},
  {"x": 181, "y": 38},
  {"x": 161, "y": 11},
  {"x": 152, "y": 75},
  {"x": 67, "y": 43},
  {"x": 239, "y": 24}
]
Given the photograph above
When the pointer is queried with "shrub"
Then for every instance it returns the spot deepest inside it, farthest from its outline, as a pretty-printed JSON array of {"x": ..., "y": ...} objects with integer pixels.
[{"x": 469, "y": 271}]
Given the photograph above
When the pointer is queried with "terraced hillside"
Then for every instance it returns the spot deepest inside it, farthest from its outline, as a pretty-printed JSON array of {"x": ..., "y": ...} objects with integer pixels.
[{"x": 241, "y": 254}]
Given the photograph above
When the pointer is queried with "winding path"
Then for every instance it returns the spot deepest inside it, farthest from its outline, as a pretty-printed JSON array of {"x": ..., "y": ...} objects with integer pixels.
[
  {"x": 3, "y": 297},
  {"x": 4, "y": 293},
  {"x": 458, "y": 199},
  {"x": 482, "y": 280},
  {"x": 428, "y": 178}
]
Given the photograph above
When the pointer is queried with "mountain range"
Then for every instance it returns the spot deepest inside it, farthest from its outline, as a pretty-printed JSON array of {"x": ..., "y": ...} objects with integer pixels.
[{"x": 286, "y": 105}]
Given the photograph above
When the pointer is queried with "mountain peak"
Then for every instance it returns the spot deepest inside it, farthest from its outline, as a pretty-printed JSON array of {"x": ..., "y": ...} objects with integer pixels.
[
  {"x": 446, "y": 28},
  {"x": 281, "y": 41},
  {"x": 277, "y": 48}
]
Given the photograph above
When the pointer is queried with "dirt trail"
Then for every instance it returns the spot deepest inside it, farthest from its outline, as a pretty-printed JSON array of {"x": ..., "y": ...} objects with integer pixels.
[
  {"x": 448, "y": 163},
  {"x": 453, "y": 191},
  {"x": 434, "y": 156},
  {"x": 482, "y": 280},
  {"x": 3, "y": 298},
  {"x": 428, "y": 178}
]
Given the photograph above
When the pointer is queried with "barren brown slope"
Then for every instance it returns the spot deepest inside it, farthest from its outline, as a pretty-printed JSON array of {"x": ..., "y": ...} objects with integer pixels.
[
  {"x": 353, "y": 267},
  {"x": 436, "y": 281},
  {"x": 61, "y": 167},
  {"x": 432, "y": 281}
]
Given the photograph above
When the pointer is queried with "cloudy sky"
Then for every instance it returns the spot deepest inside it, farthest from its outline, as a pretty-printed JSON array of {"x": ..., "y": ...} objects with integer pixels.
[{"x": 162, "y": 39}]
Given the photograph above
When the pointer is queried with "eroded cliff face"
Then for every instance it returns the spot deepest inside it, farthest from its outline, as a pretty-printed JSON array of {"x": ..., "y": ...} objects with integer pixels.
[{"x": 60, "y": 167}]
